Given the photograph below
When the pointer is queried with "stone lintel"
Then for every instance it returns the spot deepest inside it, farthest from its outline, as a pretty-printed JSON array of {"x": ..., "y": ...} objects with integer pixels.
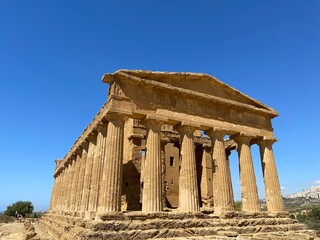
[{"x": 190, "y": 123}]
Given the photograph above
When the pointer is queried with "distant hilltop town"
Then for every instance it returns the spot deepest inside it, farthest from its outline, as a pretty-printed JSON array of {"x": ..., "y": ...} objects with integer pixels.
[{"x": 313, "y": 192}]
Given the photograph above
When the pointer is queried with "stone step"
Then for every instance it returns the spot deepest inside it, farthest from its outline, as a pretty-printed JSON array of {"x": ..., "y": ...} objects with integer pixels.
[
  {"x": 140, "y": 226},
  {"x": 297, "y": 235},
  {"x": 58, "y": 228},
  {"x": 227, "y": 231},
  {"x": 184, "y": 223}
]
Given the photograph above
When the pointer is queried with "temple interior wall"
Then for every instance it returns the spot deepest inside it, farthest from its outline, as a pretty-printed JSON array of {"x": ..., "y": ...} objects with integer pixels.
[
  {"x": 134, "y": 150},
  {"x": 172, "y": 175}
]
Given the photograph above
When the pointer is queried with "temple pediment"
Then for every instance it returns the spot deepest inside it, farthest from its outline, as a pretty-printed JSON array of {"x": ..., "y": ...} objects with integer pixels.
[{"x": 196, "y": 85}]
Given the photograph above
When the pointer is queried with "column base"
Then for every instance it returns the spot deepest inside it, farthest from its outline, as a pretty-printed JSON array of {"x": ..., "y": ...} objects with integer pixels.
[
  {"x": 219, "y": 210},
  {"x": 90, "y": 215}
]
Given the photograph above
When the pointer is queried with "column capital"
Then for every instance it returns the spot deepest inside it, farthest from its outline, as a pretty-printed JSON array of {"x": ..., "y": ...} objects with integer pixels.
[
  {"x": 78, "y": 150},
  {"x": 92, "y": 137},
  {"x": 72, "y": 158},
  {"x": 265, "y": 141},
  {"x": 84, "y": 145},
  {"x": 151, "y": 123},
  {"x": 187, "y": 129},
  {"x": 242, "y": 138},
  {"x": 116, "y": 117},
  {"x": 216, "y": 133},
  {"x": 101, "y": 127}
]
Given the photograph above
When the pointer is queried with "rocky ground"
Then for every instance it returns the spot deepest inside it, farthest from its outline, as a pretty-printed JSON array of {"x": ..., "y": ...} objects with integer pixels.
[{"x": 18, "y": 231}]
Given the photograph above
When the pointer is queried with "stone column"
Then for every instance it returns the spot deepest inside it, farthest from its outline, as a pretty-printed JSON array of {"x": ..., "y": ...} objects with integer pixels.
[
  {"x": 270, "y": 175},
  {"x": 88, "y": 174},
  {"x": 188, "y": 187},
  {"x": 70, "y": 182},
  {"x": 113, "y": 164},
  {"x": 66, "y": 187},
  {"x": 56, "y": 192},
  {"x": 53, "y": 194},
  {"x": 61, "y": 191},
  {"x": 96, "y": 169},
  {"x": 101, "y": 194},
  {"x": 152, "y": 187},
  {"x": 84, "y": 153},
  {"x": 249, "y": 191},
  {"x": 222, "y": 185},
  {"x": 75, "y": 180}
]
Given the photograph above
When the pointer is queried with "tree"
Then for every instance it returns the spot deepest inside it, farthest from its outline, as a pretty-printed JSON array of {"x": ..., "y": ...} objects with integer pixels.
[
  {"x": 23, "y": 207},
  {"x": 314, "y": 214}
]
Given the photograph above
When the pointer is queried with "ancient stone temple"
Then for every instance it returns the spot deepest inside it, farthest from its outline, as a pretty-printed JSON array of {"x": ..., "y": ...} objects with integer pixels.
[{"x": 154, "y": 163}]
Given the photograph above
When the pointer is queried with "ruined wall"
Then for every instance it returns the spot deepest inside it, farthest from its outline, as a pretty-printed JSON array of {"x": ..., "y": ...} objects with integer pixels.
[{"x": 172, "y": 175}]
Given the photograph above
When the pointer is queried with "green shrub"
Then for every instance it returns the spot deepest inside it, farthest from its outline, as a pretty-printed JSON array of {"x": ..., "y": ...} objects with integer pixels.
[{"x": 23, "y": 207}]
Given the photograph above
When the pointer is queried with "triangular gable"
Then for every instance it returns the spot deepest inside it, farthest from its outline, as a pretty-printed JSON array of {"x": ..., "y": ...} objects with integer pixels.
[{"x": 198, "y": 82}]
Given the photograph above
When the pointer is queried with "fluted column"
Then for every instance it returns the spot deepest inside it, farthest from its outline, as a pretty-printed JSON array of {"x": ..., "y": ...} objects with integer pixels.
[
  {"x": 66, "y": 187},
  {"x": 53, "y": 194},
  {"x": 113, "y": 164},
  {"x": 222, "y": 190},
  {"x": 152, "y": 187},
  {"x": 88, "y": 174},
  {"x": 188, "y": 187},
  {"x": 75, "y": 179},
  {"x": 249, "y": 191},
  {"x": 60, "y": 199},
  {"x": 270, "y": 175},
  {"x": 79, "y": 190},
  {"x": 96, "y": 170},
  {"x": 56, "y": 191},
  {"x": 102, "y": 181},
  {"x": 70, "y": 182}
]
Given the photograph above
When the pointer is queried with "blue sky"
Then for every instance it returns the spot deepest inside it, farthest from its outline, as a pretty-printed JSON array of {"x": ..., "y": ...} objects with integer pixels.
[{"x": 53, "y": 54}]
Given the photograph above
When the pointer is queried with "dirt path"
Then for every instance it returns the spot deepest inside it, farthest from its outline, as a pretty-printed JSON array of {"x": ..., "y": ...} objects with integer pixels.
[
  {"x": 15, "y": 231},
  {"x": 12, "y": 231}
]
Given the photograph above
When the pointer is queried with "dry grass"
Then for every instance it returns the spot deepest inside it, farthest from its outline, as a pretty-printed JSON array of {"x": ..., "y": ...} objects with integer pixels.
[{"x": 6, "y": 219}]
